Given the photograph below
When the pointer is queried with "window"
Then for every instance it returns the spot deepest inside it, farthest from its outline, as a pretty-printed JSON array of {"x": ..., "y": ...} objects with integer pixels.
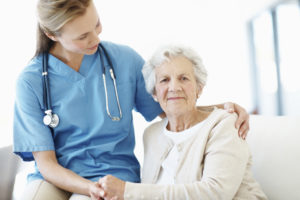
[
  {"x": 288, "y": 20},
  {"x": 275, "y": 43}
]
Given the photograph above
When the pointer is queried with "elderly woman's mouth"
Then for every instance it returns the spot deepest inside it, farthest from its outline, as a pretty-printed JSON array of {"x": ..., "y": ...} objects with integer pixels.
[{"x": 175, "y": 98}]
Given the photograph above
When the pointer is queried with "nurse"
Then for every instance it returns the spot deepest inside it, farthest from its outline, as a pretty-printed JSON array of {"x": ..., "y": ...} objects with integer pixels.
[{"x": 88, "y": 143}]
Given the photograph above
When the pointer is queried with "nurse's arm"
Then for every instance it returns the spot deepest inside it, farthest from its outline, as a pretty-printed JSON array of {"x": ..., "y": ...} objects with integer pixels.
[
  {"x": 242, "y": 123},
  {"x": 63, "y": 178}
]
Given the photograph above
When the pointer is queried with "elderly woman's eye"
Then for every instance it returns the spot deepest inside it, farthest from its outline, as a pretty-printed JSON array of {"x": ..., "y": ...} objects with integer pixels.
[
  {"x": 184, "y": 78},
  {"x": 164, "y": 80}
]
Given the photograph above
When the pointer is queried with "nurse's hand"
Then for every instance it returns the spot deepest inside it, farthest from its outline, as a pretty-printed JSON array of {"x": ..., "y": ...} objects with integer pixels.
[
  {"x": 113, "y": 187},
  {"x": 242, "y": 123}
]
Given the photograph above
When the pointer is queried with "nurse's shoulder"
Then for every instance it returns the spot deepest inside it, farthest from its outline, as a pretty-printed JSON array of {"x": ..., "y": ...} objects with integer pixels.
[
  {"x": 121, "y": 53},
  {"x": 33, "y": 71},
  {"x": 30, "y": 78}
]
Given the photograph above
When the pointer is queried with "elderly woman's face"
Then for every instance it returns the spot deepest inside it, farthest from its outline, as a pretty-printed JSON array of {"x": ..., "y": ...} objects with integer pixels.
[{"x": 176, "y": 89}]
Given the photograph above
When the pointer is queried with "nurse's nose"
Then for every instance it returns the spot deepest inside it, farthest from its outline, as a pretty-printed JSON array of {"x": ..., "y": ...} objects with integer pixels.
[{"x": 95, "y": 37}]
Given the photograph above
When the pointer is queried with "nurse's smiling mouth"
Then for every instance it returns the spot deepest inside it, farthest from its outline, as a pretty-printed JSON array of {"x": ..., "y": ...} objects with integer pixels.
[{"x": 94, "y": 47}]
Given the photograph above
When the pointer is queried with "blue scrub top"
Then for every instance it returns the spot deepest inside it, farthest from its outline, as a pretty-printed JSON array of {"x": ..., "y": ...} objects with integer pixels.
[{"x": 86, "y": 140}]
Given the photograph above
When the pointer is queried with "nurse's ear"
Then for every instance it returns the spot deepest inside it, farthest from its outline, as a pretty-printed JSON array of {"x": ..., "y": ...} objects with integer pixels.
[{"x": 50, "y": 36}]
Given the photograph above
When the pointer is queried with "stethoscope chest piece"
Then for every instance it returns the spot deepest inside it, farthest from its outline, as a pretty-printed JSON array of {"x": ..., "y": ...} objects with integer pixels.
[{"x": 51, "y": 120}]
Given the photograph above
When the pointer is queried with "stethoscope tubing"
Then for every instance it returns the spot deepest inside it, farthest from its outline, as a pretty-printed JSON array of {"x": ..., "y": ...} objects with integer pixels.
[
  {"x": 47, "y": 99},
  {"x": 113, "y": 77},
  {"x": 51, "y": 119}
]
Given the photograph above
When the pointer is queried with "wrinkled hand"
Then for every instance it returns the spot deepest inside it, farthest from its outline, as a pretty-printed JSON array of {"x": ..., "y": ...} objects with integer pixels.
[
  {"x": 113, "y": 187},
  {"x": 95, "y": 191},
  {"x": 242, "y": 123}
]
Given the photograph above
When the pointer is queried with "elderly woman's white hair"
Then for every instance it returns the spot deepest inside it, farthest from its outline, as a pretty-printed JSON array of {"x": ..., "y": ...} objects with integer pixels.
[{"x": 165, "y": 54}]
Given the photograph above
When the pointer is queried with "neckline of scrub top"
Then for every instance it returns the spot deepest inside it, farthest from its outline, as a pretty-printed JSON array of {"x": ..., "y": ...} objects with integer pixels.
[{"x": 69, "y": 73}]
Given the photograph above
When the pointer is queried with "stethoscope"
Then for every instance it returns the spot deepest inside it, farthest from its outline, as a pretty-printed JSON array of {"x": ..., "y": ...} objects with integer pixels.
[{"x": 52, "y": 119}]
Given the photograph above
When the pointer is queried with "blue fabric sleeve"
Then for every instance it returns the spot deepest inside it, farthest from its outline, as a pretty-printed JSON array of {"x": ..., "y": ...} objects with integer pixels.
[
  {"x": 144, "y": 102},
  {"x": 30, "y": 134}
]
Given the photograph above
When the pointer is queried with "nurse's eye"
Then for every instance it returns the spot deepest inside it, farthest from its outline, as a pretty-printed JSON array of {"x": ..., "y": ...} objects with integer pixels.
[{"x": 82, "y": 37}]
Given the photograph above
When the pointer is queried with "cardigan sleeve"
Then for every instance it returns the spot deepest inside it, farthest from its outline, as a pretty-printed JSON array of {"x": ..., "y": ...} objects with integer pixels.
[{"x": 225, "y": 161}]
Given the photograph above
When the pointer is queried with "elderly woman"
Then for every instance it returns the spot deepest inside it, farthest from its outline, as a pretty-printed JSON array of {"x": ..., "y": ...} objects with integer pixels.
[{"x": 191, "y": 154}]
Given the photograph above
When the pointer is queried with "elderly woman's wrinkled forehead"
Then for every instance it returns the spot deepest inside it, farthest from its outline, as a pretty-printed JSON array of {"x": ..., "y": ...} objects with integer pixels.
[{"x": 176, "y": 65}]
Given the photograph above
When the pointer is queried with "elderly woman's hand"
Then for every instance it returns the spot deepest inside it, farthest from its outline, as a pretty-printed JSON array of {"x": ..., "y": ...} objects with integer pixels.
[
  {"x": 95, "y": 191},
  {"x": 113, "y": 187},
  {"x": 242, "y": 123}
]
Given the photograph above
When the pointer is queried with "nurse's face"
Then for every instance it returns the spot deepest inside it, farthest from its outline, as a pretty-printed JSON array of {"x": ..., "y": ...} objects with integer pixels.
[{"x": 81, "y": 34}]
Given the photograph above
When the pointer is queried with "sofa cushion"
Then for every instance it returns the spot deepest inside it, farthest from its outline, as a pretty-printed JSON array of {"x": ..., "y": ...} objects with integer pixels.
[{"x": 275, "y": 145}]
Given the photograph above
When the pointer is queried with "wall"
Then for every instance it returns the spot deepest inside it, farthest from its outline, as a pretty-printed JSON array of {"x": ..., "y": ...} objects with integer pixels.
[{"x": 215, "y": 29}]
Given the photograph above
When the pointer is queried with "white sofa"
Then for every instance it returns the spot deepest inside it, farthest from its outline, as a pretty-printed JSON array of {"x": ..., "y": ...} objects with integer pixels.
[
  {"x": 274, "y": 143},
  {"x": 275, "y": 146},
  {"x": 9, "y": 164}
]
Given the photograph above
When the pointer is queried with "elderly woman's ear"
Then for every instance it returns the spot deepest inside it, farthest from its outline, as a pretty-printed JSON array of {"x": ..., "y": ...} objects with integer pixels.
[
  {"x": 154, "y": 97},
  {"x": 199, "y": 91}
]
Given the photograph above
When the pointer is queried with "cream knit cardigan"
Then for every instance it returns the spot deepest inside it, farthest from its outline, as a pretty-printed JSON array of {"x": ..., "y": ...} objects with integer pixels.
[{"x": 213, "y": 164}]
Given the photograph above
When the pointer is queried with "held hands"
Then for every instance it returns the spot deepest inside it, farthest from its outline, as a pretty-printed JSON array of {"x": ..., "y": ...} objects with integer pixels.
[
  {"x": 108, "y": 188},
  {"x": 242, "y": 123},
  {"x": 95, "y": 191}
]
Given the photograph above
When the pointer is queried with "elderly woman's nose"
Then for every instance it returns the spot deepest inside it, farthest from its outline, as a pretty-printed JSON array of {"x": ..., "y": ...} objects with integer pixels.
[{"x": 174, "y": 85}]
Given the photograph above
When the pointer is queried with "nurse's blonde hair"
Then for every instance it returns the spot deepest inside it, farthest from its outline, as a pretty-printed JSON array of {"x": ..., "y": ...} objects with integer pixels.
[{"x": 52, "y": 15}]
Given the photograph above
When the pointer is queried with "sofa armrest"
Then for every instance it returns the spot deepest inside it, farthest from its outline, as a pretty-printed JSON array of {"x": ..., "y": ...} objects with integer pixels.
[{"x": 9, "y": 164}]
